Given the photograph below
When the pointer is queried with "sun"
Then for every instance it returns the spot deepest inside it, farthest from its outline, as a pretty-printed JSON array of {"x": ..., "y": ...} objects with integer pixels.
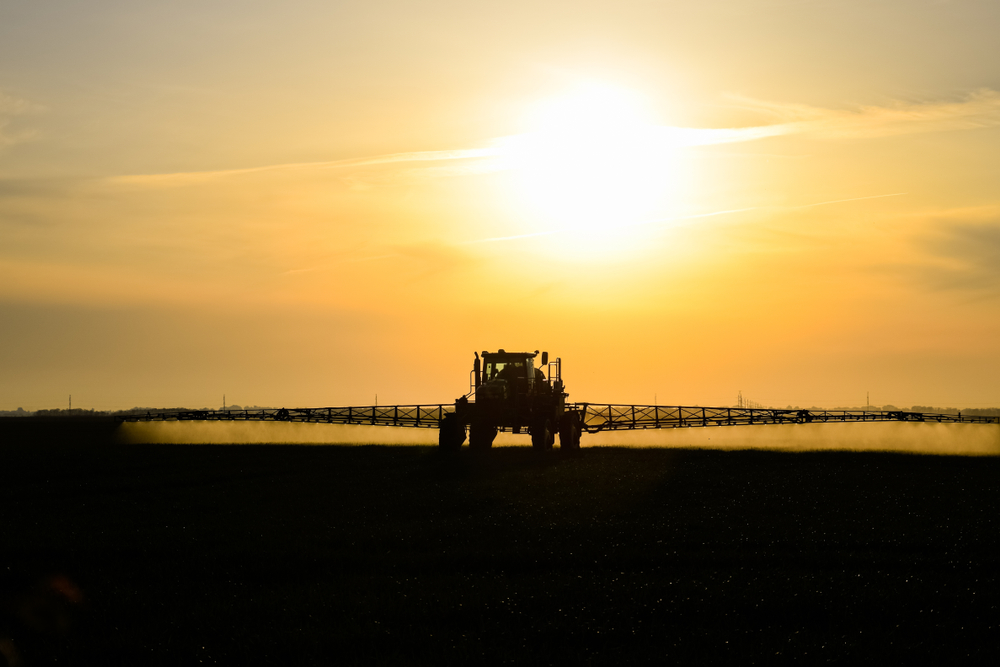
[{"x": 592, "y": 162}]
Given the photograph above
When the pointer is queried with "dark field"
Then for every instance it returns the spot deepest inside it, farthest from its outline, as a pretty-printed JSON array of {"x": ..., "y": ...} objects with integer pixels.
[{"x": 297, "y": 555}]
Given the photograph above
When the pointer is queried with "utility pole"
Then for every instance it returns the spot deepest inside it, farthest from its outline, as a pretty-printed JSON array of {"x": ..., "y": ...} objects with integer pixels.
[
  {"x": 71, "y": 402},
  {"x": 223, "y": 401}
]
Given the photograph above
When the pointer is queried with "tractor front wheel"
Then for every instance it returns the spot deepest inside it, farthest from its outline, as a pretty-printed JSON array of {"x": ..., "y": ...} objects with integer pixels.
[
  {"x": 542, "y": 435},
  {"x": 481, "y": 436}
]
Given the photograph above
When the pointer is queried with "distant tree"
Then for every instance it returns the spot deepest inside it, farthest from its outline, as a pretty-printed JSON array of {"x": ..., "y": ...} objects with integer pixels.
[
  {"x": 75, "y": 412},
  {"x": 982, "y": 412}
]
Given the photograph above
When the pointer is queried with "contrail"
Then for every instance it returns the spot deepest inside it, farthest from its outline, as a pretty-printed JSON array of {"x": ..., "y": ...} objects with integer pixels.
[
  {"x": 693, "y": 217},
  {"x": 341, "y": 260},
  {"x": 516, "y": 236},
  {"x": 696, "y": 216},
  {"x": 568, "y": 230},
  {"x": 839, "y": 201},
  {"x": 418, "y": 156}
]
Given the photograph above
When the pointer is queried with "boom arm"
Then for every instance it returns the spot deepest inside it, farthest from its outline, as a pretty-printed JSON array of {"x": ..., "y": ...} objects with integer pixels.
[{"x": 594, "y": 417}]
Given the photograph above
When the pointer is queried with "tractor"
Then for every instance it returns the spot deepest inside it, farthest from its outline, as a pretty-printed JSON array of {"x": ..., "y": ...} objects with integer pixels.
[{"x": 510, "y": 392}]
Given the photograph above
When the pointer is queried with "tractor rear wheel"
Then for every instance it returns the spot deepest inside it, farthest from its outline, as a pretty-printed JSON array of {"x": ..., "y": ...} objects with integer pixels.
[
  {"x": 569, "y": 431},
  {"x": 451, "y": 433}
]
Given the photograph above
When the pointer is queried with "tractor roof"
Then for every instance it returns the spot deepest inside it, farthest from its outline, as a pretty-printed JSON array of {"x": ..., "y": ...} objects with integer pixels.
[{"x": 501, "y": 355}]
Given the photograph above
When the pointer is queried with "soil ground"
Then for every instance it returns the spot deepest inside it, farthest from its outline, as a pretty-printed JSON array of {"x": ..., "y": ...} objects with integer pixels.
[{"x": 299, "y": 555}]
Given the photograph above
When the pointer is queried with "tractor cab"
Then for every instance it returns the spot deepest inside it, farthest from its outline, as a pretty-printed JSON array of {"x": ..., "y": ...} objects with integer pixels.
[{"x": 509, "y": 374}]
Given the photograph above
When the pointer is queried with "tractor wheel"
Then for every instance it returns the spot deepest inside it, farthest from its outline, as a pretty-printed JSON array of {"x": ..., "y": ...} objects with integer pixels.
[
  {"x": 451, "y": 433},
  {"x": 481, "y": 436},
  {"x": 569, "y": 432},
  {"x": 542, "y": 435}
]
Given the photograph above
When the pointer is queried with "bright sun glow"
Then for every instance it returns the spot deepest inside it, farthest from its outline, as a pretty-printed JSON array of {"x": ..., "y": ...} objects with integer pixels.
[{"x": 593, "y": 162}]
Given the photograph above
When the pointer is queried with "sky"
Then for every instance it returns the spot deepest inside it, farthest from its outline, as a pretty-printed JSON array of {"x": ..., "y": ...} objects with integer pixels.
[{"x": 313, "y": 203}]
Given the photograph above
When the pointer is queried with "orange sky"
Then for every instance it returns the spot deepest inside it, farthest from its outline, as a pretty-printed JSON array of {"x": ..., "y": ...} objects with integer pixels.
[{"x": 305, "y": 205}]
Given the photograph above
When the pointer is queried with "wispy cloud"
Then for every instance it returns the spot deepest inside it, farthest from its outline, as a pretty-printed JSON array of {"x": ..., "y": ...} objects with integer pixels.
[
  {"x": 979, "y": 109},
  {"x": 963, "y": 252},
  {"x": 194, "y": 177},
  {"x": 10, "y": 107}
]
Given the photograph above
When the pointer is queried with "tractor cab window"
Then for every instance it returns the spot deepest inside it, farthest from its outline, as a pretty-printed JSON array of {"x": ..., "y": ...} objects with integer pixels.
[
  {"x": 493, "y": 369},
  {"x": 504, "y": 370}
]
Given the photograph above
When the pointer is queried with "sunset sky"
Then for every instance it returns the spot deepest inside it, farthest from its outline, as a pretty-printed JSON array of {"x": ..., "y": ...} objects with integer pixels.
[{"x": 311, "y": 203}]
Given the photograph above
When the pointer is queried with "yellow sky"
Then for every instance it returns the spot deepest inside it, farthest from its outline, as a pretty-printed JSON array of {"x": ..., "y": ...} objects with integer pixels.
[{"x": 305, "y": 205}]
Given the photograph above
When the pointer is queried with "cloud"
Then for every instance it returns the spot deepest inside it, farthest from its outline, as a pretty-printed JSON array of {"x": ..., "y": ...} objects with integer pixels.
[
  {"x": 9, "y": 108},
  {"x": 980, "y": 109},
  {"x": 434, "y": 257},
  {"x": 425, "y": 259},
  {"x": 12, "y": 106},
  {"x": 964, "y": 254}
]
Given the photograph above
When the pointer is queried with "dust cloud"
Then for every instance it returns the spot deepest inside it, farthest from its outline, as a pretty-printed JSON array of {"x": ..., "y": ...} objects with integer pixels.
[
  {"x": 269, "y": 433},
  {"x": 965, "y": 439}
]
